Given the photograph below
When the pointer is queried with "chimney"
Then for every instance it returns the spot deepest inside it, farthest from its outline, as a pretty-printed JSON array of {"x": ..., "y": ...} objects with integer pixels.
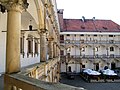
[
  {"x": 60, "y": 17},
  {"x": 60, "y": 11},
  {"x": 93, "y": 18},
  {"x": 83, "y": 18}
]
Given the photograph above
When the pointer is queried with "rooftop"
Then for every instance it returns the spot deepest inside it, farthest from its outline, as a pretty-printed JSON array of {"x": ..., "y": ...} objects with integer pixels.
[{"x": 89, "y": 25}]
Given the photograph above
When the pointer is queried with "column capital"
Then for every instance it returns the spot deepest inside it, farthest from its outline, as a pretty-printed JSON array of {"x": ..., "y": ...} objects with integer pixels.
[
  {"x": 43, "y": 31},
  {"x": 50, "y": 38},
  {"x": 17, "y": 6}
]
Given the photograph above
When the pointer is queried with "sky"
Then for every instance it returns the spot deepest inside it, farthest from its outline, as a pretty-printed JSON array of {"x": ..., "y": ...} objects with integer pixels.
[{"x": 100, "y": 9}]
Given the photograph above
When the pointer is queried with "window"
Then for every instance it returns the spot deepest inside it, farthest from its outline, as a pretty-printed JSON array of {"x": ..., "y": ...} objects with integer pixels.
[
  {"x": 68, "y": 34},
  {"x": 36, "y": 47},
  {"x": 111, "y": 48},
  {"x": 61, "y": 37},
  {"x": 83, "y": 66},
  {"x": 95, "y": 35},
  {"x": 110, "y": 35},
  {"x": 82, "y": 35},
  {"x": 21, "y": 45},
  {"x": 30, "y": 46}
]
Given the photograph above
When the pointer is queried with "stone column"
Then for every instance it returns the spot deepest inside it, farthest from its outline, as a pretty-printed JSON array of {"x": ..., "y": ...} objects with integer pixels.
[
  {"x": 58, "y": 51},
  {"x": 58, "y": 71},
  {"x": 13, "y": 37},
  {"x": 107, "y": 51},
  {"x": 93, "y": 51},
  {"x": 50, "y": 45},
  {"x": 43, "y": 47},
  {"x": 54, "y": 50}
]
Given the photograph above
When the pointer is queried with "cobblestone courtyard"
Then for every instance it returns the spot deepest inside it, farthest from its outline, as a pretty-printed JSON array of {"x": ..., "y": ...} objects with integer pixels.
[{"x": 78, "y": 82}]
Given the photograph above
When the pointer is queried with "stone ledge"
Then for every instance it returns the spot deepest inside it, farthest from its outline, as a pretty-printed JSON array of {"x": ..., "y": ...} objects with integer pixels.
[{"x": 17, "y": 80}]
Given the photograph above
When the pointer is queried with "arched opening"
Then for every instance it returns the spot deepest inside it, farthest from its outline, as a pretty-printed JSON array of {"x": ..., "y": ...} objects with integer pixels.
[
  {"x": 113, "y": 65},
  {"x": 69, "y": 69},
  {"x": 97, "y": 66}
]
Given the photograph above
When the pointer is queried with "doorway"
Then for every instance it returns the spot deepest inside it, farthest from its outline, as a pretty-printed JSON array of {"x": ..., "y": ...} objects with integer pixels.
[
  {"x": 97, "y": 66},
  {"x": 69, "y": 69},
  {"x": 113, "y": 65}
]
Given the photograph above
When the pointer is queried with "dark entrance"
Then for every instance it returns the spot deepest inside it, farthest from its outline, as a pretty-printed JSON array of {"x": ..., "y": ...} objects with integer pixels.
[
  {"x": 113, "y": 66},
  {"x": 97, "y": 66},
  {"x": 69, "y": 69}
]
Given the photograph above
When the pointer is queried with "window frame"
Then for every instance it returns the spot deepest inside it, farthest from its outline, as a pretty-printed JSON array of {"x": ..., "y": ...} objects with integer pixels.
[{"x": 112, "y": 49}]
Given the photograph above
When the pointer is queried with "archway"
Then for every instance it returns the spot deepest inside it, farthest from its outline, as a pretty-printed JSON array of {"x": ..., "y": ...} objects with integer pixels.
[
  {"x": 97, "y": 66},
  {"x": 113, "y": 65},
  {"x": 69, "y": 69}
]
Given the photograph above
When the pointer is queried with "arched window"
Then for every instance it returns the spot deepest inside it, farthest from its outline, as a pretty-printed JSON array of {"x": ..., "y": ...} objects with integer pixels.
[
  {"x": 111, "y": 48},
  {"x": 69, "y": 68}
]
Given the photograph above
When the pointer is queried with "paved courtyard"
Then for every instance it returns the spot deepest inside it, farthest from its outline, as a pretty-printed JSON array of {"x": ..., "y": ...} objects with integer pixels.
[{"x": 78, "y": 82}]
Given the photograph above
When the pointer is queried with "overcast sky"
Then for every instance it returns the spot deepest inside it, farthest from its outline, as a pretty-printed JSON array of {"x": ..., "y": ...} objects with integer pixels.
[{"x": 100, "y": 9}]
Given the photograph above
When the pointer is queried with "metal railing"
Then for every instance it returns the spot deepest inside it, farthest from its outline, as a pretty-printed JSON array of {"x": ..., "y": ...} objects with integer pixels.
[
  {"x": 91, "y": 56},
  {"x": 89, "y": 42}
]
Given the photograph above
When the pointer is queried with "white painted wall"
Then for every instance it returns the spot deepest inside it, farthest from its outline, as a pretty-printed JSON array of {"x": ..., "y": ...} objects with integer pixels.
[
  {"x": 75, "y": 67},
  {"x": 63, "y": 67},
  {"x": 3, "y": 27}
]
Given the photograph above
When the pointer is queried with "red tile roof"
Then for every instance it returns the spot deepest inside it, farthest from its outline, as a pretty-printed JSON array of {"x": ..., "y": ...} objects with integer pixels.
[{"x": 89, "y": 25}]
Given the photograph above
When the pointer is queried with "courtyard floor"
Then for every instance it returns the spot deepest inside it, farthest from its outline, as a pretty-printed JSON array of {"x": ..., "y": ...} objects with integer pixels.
[{"x": 79, "y": 82}]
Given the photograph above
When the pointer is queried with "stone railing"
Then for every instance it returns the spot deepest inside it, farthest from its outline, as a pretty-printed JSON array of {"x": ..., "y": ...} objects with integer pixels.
[
  {"x": 41, "y": 76},
  {"x": 21, "y": 82}
]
